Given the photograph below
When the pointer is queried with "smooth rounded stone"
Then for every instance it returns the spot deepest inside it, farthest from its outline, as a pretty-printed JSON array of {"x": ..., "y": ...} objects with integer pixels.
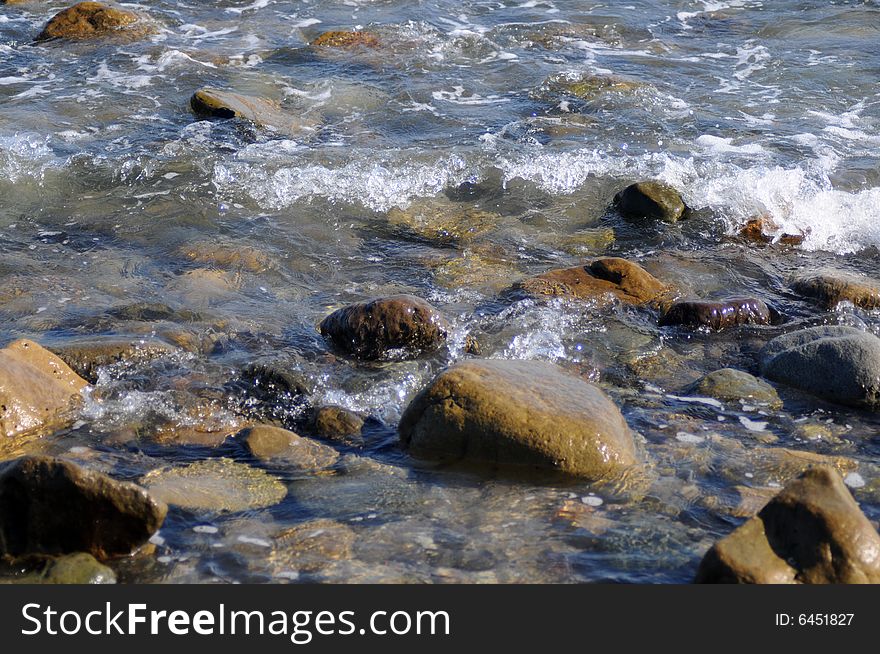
[
  {"x": 606, "y": 278},
  {"x": 261, "y": 111},
  {"x": 474, "y": 270},
  {"x": 85, "y": 357},
  {"x": 79, "y": 568},
  {"x": 50, "y": 506},
  {"x": 370, "y": 330},
  {"x": 311, "y": 546},
  {"x": 87, "y": 20},
  {"x": 733, "y": 385},
  {"x": 836, "y": 362},
  {"x": 442, "y": 222},
  {"x": 717, "y": 315},
  {"x": 346, "y": 39},
  {"x": 529, "y": 413},
  {"x": 215, "y": 485},
  {"x": 812, "y": 532},
  {"x": 650, "y": 200},
  {"x": 828, "y": 289},
  {"x": 38, "y": 391},
  {"x": 336, "y": 423},
  {"x": 269, "y": 443}
]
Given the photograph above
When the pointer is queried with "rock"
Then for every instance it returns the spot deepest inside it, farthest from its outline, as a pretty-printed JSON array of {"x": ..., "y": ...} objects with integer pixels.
[
  {"x": 734, "y": 385},
  {"x": 443, "y": 223},
  {"x": 85, "y": 357},
  {"x": 475, "y": 271},
  {"x": 215, "y": 485},
  {"x": 717, "y": 314},
  {"x": 79, "y": 568},
  {"x": 835, "y": 362},
  {"x": 812, "y": 532},
  {"x": 530, "y": 413},
  {"x": 267, "y": 443},
  {"x": 343, "y": 39},
  {"x": 600, "y": 280},
  {"x": 261, "y": 111},
  {"x": 650, "y": 200},
  {"x": 589, "y": 88},
  {"x": 763, "y": 230},
  {"x": 371, "y": 330},
  {"x": 87, "y": 20},
  {"x": 268, "y": 393},
  {"x": 336, "y": 423},
  {"x": 828, "y": 289},
  {"x": 228, "y": 257},
  {"x": 153, "y": 312},
  {"x": 311, "y": 546},
  {"x": 50, "y": 506},
  {"x": 38, "y": 391}
]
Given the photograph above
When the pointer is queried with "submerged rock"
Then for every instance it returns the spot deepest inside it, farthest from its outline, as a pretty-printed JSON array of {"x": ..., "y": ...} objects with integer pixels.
[
  {"x": 267, "y": 443},
  {"x": 38, "y": 391},
  {"x": 650, "y": 200},
  {"x": 215, "y": 485},
  {"x": 370, "y": 330},
  {"x": 87, "y": 356},
  {"x": 733, "y": 385},
  {"x": 50, "y": 506},
  {"x": 812, "y": 532},
  {"x": 87, "y": 20},
  {"x": 835, "y": 362},
  {"x": 603, "y": 278},
  {"x": 311, "y": 546},
  {"x": 717, "y": 314},
  {"x": 336, "y": 423},
  {"x": 79, "y": 568},
  {"x": 529, "y": 413},
  {"x": 828, "y": 289},
  {"x": 443, "y": 223},
  {"x": 346, "y": 39},
  {"x": 260, "y": 111}
]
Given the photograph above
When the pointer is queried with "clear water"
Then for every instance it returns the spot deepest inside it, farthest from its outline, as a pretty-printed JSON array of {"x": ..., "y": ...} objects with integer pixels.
[{"x": 108, "y": 182}]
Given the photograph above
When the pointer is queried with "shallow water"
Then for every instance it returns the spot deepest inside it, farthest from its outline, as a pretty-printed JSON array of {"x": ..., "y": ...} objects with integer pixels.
[{"x": 113, "y": 194}]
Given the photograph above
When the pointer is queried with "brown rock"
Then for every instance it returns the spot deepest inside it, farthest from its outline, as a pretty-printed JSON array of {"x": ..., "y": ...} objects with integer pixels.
[
  {"x": 650, "y": 200},
  {"x": 336, "y": 423},
  {"x": 812, "y": 532},
  {"x": 267, "y": 442},
  {"x": 50, "y": 506},
  {"x": 38, "y": 391},
  {"x": 369, "y": 330},
  {"x": 343, "y": 39},
  {"x": 87, "y": 20},
  {"x": 261, "y": 111},
  {"x": 717, "y": 315},
  {"x": 830, "y": 288},
  {"x": 311, "y": 546},
  {"x": 85, "y": 357},
  {"x": 529, "y": 413},
  {"x": 603, "y": 278},
  {"x": 760, "y": 230}
]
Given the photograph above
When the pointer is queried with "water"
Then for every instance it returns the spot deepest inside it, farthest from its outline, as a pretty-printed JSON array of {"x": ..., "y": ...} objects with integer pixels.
[{"x": 113, "y": 194}]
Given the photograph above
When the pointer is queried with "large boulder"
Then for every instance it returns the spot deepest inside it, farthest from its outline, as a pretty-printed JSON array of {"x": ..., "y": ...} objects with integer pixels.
[
  {"x": 218, "y": 103},
  {"x": 371, "y": 330},
  {"x": 603, "y": 279},
  {"x": 50, "y": 506},
  {"x": 87, "y": 20},
  {"x": 717, "y": 314},
  {"x": 830, "y": 288},
  {"x": 835, "y": 362},
  {"x": 38, "y": 391},
  {"x": 650, "y": 200},
  {"x": 812, "y": 532},
  {"x": 530, "y": 413}
]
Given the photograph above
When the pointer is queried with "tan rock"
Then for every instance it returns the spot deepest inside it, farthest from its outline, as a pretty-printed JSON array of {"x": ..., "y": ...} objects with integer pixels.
[
  {"x": 267, "y": 442},
  {"x": 87, "y": 20},
  {"x": 311, "y": 546},
  {"x": 261, "y": 111},
  {"x": 828, "y": 289},
  {"x": 344, "y": 39}
]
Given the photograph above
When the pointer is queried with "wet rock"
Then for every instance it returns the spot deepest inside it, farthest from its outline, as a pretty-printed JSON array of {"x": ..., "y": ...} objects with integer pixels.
[
  {"x": 812, "y": 532},
  {"x": 153, "y": 312},
  {"x": 215, "y": 485},
  {"x": 529, "y": 413},
  {"x": 475, "y": 271},
  {"x": 261, "y": 111},
  {"x": 38, "y": 391},
  {"x": 267, "y": 443},
  {"x": 601, "y": 280},
  {"x": 311, "y": 546},
  {"x": 345, "y": 39},
  {"x": 650, "y": 200},
  {"x": 87, "y": 20},
  {"x": 79, "y": 568},
  {"x": 443, "y": 223},
  {"x": 734, "y": 385},
  {"x": 336, "y": 423},
  {"x": 828, "y": 289},
  {"x": 717, "y": 314},
  {"x": 50, "y": 506},
  {"x": 228, "y": 257},
  {"x": 267, "y": 392},
  {"x": 835, "y": 362},
  {"x": 371, "y": 330},
  {"x": 763, "y": 230},
  {"x": 570, "y": 88},
  {"x": 86, "y": 357}
]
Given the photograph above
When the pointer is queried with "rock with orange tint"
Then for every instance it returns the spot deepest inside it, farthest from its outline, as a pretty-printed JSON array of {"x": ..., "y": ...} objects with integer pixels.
[
  {"x": 88, "y": 20},
  {"x": 346, "y": 39}
]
